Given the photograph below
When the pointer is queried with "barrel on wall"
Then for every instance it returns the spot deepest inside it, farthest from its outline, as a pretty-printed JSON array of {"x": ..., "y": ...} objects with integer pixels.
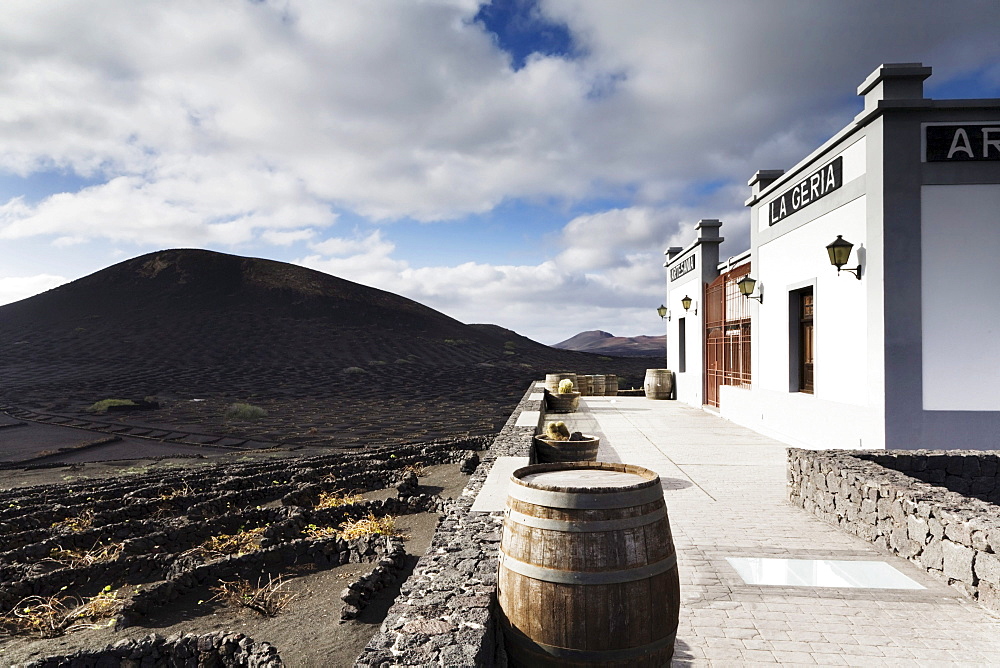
[
  {"x": 588, "y": 572},
  {"x": 583, "y": 450},
  {"x": 610, "y": 385},
  {"x": 598, "y": 382},
  {"x": 659, "y": 383},
  {"x": 586, "y": 386}
]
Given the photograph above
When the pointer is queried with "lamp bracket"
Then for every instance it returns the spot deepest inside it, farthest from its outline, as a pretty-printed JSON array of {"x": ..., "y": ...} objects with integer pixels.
[{"x": 856, "y": 272}]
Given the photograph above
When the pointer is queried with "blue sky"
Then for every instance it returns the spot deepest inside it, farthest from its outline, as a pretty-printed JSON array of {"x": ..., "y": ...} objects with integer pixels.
[{"x": 522, "y": 162}]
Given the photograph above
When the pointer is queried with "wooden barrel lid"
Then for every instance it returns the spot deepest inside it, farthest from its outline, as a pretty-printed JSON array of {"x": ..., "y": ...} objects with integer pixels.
[
  {"x": 592, "y": 479},
  {"x": 585, "y": 485}
]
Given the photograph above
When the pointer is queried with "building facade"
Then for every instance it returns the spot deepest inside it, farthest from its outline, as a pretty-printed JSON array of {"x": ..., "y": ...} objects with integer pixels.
[{"x": 900, "y": 347}]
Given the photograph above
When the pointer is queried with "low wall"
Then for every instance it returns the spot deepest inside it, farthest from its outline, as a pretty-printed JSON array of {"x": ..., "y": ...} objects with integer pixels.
[
  {"x": 225, "y": 650},
  {"x": 888, "y": 499},
  {"x": 445, "y": 614}
]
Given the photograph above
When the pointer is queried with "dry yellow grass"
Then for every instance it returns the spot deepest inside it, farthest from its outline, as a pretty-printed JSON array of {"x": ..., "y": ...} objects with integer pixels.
[
  {"x": 83, "y": 521},
  {"x": 335, "y": 500},
  {"x": 225, "y": 545},
  {"x": 369, "y": 526}
]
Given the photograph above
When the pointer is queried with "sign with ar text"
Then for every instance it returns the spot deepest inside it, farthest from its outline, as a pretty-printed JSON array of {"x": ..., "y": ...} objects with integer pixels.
[
  {"x": 682, "y": 267},
  {"x": 962, "y": 143},
  {"x": 819, "y": 184}
]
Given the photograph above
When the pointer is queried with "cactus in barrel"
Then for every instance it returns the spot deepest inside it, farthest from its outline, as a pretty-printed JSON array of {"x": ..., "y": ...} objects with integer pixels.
[
  {"x": 565, "y": 386},
  {"x": 557, "y": 431}
]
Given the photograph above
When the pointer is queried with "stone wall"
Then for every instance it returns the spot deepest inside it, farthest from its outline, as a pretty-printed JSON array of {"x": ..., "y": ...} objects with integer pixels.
[
  {"x": 222, "y": 650},
  {"x": 888, "y": 499},
  {"x": 446, "y": 612}
]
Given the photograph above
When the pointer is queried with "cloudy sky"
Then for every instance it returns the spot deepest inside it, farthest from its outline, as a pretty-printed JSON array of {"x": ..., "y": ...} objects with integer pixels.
[{"x": 523, "y": 163}]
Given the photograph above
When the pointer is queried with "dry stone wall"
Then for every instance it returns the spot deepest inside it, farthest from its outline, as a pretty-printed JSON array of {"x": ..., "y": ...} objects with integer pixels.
[
  {"x": 219, "y": 650},
  {"x": 907, "y": 503},
  {"x": 446, "y": 612}
]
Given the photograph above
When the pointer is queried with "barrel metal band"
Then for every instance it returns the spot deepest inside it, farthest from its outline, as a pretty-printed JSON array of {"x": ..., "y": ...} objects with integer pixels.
[
  {"x": 558, "y": 576},
  {"x": 583, "y": 500},
  {"x": 589, "y": 656},
  {"x": 581, "y": 526}
]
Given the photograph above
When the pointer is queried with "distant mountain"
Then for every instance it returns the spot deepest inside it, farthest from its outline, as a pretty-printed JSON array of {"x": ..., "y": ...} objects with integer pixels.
[{"x": 603, "y": 343}]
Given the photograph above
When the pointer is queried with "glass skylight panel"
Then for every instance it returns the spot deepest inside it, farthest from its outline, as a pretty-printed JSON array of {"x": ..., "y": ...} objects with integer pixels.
[{"x": 820, "y": 573}]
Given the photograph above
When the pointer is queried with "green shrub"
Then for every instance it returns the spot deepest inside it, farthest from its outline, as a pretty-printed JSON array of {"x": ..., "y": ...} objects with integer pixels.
[
  {"x": 244, "y": 412},
  {"x": 102, "y": 405},
  {"x": 352, "y": 370}
]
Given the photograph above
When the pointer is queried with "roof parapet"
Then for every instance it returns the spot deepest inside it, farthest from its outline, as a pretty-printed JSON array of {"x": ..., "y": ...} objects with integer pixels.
[{"x": 894, "y": 81}]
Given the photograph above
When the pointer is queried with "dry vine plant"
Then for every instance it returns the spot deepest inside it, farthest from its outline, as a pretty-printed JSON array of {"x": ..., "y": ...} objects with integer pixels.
[
  {"x": 99, "y": 554},
  {"x": 217, "y": 547},
  {"x": 418, "y": 470},
  {"x": 265, "y": 600},
  {"x": 78, "y": 523},
  {"x": 336, "y": 500},
  {"x": 52, "y": 616}
]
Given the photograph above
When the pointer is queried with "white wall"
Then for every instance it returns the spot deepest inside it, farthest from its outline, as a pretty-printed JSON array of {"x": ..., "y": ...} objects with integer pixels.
[
  {"x": 840, "y": 317},
  {"x": 803, "y": 420},
  {"x": 689, "y": 384},
  {"x": 960, "y": 272}
]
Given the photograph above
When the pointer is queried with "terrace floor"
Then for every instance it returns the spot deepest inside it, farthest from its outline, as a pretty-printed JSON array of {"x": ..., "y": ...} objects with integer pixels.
[{"x": 725, "y": 488}]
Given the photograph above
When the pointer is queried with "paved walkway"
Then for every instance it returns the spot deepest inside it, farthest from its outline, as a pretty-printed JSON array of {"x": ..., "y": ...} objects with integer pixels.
[{"x": 726, "y": 497}]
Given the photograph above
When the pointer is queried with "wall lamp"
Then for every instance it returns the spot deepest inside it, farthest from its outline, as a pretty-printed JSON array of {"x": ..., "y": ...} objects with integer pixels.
[
  {"x": 840, "y": 252},
  {"x": 686, "y": 303},
  {"x": 663, "y": 311},
  {"x": 746, "y": 286}
]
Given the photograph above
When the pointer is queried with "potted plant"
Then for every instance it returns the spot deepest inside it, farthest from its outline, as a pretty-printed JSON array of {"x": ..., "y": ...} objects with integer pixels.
[
  {"x": 563, "y": 401},
  {"x": 557, "y": 444}
]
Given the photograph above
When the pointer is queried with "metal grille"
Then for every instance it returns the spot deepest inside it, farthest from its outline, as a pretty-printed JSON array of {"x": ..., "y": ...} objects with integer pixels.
[{"x": 727, "y": 335}]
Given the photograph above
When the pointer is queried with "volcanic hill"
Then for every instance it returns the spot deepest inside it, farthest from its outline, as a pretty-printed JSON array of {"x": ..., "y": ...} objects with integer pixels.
[
  {"x": 603, "y": 343},
  {"x": 333, "y": 362}
]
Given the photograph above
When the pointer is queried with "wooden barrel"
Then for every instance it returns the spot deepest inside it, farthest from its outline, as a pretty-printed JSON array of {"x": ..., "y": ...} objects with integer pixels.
[
  {"x": 659, "y": 383},
  {"x": 552, "y": 380},
  {"x": 547, "y": 451},
  {"x": 588, "y": 572},
  {"x": 561, "y": 403},
  {"x": 610, "y": 385},
  {"x": 598, "y": 386},
  {"x": 586, "y": 386}
]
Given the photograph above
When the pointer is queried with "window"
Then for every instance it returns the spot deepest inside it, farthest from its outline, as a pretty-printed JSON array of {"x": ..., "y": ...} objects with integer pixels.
[{"x": 681, "y": 345}]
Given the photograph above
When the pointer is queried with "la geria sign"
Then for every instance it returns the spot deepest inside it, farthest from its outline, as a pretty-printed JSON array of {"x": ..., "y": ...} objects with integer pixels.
[{"x": 819, "y": 184}]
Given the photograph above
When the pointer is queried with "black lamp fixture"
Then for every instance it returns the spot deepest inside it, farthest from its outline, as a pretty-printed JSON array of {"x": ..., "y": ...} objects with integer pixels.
[
  {"x": 686, "y": 303},
  {"x": 662, "y": 311},
  {"x": 746, "y": 286},
  {"x": 840, "y": 252}
]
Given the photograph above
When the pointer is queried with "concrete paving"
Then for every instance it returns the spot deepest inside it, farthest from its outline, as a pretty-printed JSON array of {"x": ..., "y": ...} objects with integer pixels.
[{"x": 725, "y": 488}]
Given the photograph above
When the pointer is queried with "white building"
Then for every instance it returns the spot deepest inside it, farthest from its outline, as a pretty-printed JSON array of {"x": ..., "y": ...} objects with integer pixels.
[{"x": 907, "y": 356}]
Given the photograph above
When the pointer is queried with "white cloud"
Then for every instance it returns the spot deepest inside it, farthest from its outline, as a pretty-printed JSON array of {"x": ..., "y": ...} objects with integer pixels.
[
  {"x": 15, "y": 288},
  {"x": 609, "y": 270}
]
